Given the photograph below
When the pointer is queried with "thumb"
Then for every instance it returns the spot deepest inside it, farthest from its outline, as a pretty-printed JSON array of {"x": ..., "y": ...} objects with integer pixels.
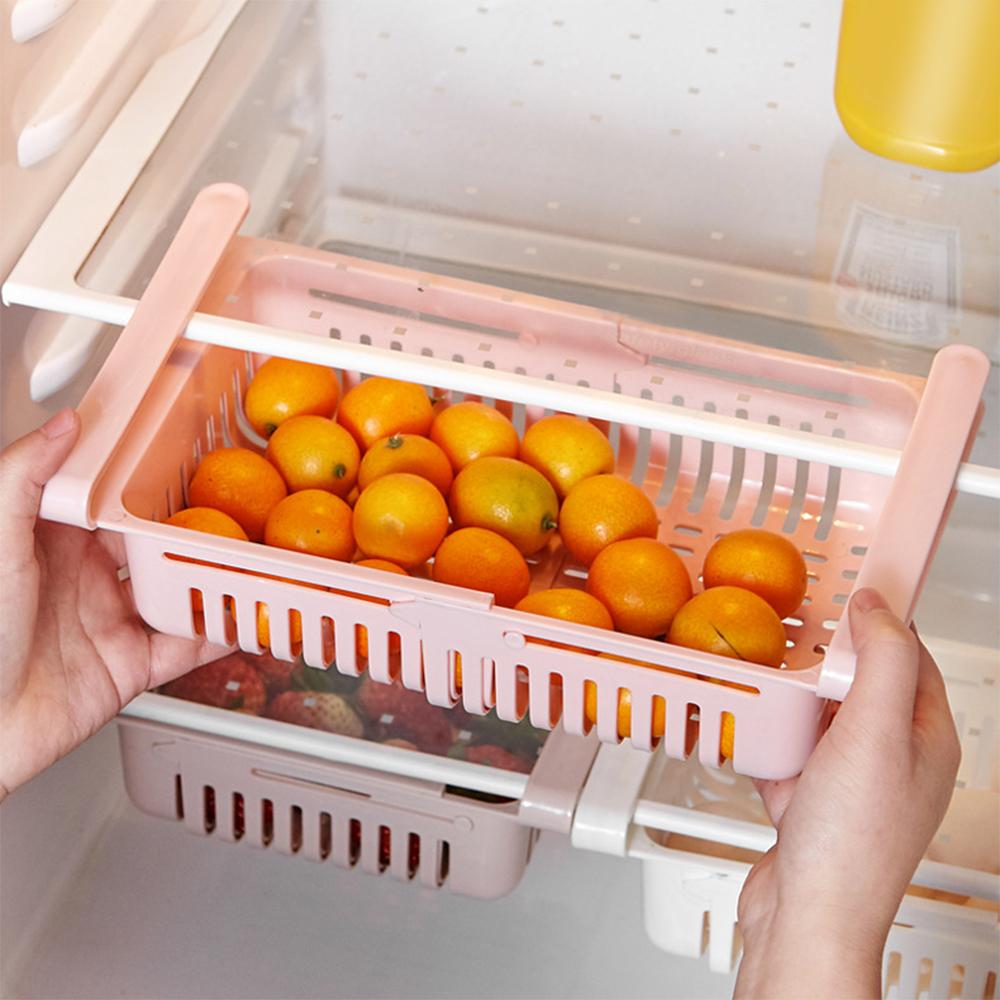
[
  {"x": 25, "y": 467},
  {"x": 887, "y": 666}
]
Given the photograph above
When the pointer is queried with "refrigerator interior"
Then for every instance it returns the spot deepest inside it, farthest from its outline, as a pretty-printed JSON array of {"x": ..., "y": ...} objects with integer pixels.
[{"x": 680, "y": 163}]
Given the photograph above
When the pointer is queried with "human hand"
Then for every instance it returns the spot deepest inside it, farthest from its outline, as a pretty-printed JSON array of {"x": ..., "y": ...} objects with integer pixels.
[
  {"x": 72, "y": 650},
  {"x": 816, "y": 909}
]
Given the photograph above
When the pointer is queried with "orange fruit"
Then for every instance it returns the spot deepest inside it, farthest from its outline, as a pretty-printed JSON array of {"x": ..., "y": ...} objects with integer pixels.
[
  {"x": 733, "y": 622},
  {"x": 400, "y": 517},
  {"x": 483, "y": 560},
  {"x": 659, "y": 723},
  {"x": 508, "y": 497},
  {"x": 212, "y": 522},
  {"x": 601, "y": 510},
  {"x": 283, "y": 388},
  {"x": 406, "y": 453},
  {"x": 264, "y": 627},
  {"x": 314, "y": 453},
  {"x": 311, "y": 521},
  {"x": 566, "y": 450},
  {"x": 727, "y": 736},
  {"x": 362, "y": 636},
  {"x": 767, "y": 564},
  {"x": 469, "y": 430},
  {"x": 240, "y": 483},
  {"x": 569, "y": 605},
  {"x": 382, "y": 564},
  {"x": 379, "y": 407},
  {"x": 642, "y": 582}
]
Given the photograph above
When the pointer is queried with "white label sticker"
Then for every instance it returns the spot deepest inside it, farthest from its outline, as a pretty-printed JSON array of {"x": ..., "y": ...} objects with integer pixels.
[
  {"x": 232, "y": 685},
  {"x": 899, "y": 277}
]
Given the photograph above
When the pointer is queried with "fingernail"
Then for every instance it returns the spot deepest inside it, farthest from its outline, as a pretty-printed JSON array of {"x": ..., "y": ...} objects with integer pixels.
[
  {"x": 867, "y": 599},
  {"x": 61, "y": 423}
]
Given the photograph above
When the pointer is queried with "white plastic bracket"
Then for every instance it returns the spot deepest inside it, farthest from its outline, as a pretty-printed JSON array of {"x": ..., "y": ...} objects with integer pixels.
[
  {"x": 550, "y": 798},
  {"x": 604, "y": 812}
]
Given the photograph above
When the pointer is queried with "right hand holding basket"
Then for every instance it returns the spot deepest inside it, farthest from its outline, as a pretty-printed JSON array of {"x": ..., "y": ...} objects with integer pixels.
[{"x": 816, "y": 909}]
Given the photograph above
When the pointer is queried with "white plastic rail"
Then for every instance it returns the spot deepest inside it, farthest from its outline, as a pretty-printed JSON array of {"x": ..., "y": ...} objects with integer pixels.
[
  {"x": 494, "y": 383},
  {"x": 757, "y": 837},
  {"x": 327, "y": 746}
]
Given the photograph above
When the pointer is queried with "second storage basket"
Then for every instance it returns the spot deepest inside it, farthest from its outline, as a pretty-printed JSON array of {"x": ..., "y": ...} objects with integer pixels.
[
  {"x": 350, "y": 817},
  {"x": 720, "y": 436}
]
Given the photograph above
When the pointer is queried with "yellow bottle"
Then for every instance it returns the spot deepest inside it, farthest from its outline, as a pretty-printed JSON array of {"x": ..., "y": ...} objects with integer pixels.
[{"x": 919, "y": 80}]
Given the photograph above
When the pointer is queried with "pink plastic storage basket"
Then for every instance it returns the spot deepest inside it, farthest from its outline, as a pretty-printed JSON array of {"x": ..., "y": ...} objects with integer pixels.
[
  {"x": 721, "y": 435},
  {"x": 351, "y": 817}
]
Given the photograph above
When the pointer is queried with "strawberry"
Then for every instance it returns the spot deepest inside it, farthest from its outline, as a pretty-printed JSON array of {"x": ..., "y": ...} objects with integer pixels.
[
  {"x": 239, "y": 815},
  {"x": 385, "y": 848},
  {"x": 405, "y": 715},
  {"x": 402, "y": 744},
  {"x": 494, "y": 756},
  {"x": 227, "y": 683},
  {"x": 375, "y": 700},
  {"x": 317, "y": 710},
  {"x": 332, "y": 681},
  {"x": 276, "y": 674},
  {"x": 520, "y": 737}
]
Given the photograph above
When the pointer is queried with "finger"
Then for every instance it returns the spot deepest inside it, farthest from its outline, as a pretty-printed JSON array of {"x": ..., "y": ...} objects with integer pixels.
[
  {"x": 932, "y": 693},
  {"x": 776, "y": 795},
  {"x": 114, "y": 544},
  {"x": 887, "y": 664},
  {"x": 931, "y": 706},
  {"x": 25, "y": 467},
  {"x": 171, "y": 656}
]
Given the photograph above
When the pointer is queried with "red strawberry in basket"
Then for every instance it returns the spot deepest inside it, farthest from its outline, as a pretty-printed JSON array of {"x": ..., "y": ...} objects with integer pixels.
[
  {"x": 227, "y": 683},
  {"x": 306, "y": 678},
  {"x": 494, "y": 756},
  {"x": 317, "y": 710},
  {"x": 239, "y": 815},
  {"x": 375, "y": 699},
  {"x": 386, "y": 847},
  {"x": 276, "y": 674},
  {"x": 405, "y": 715},
  {"x": 400, "y": 744}
]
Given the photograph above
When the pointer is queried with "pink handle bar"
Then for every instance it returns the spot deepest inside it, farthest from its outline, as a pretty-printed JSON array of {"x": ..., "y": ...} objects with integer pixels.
[
  {"x": 915, "y": 511},
  {"x": 159, "y": 320}
]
